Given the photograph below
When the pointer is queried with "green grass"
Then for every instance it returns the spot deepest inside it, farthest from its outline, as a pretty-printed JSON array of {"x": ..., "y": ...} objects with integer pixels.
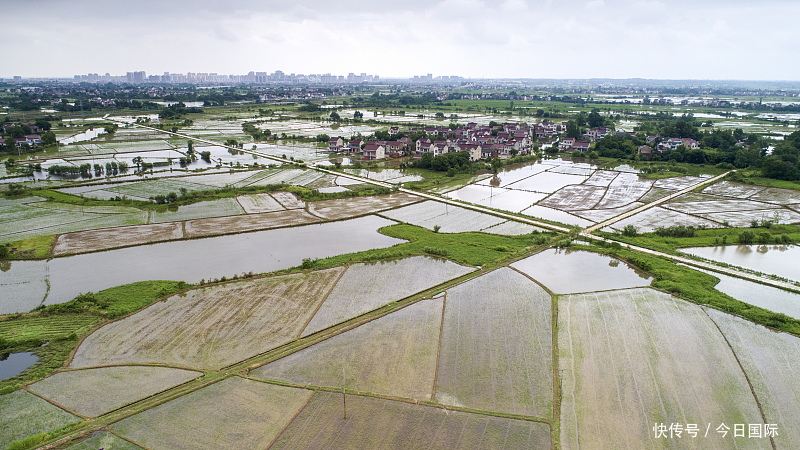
[
  {"x": 698, "y": 287},
  {"x": 472, "y": 249},
  {"x": 702, "y": 238},
  {"x": 64, "y": 324},
  {"x": 754, "y": 177},
  {"x": 42, "y": 244}
]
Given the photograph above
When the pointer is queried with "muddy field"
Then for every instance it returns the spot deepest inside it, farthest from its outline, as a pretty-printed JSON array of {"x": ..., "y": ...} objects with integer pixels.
[
  {"x": 233, "y": 414},
  {"x": 653, "y": 218},
  {"x": 573, "y": 198},
  {"x": 289, "y": 200},
  {"x": 451, "y": 219},
  {"x": 211, "y": 327},
  {"x": 250, "y": 222},
  {"x": 626, "y": 188},
  {"x": 341, "y": 208},
  {"x": 772, "y": 361},
  {"x": 634, "y": 358},
  {"x": 365, "y": 287},
  {"x": 102, "y": 239},
  {"x": 93, "y": 392},
  {"x": 384, "y": 424},
  {"x": 496, "y": 351},
  {"x": 259, "y": 203},
  {"x": 394, "y": 355}
]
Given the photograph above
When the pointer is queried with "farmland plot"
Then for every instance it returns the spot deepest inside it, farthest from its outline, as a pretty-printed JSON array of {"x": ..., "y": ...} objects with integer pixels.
[
  {"x": 496, "y": 351},
  {"x": 546, "y": 182},
  {"x": 394, "y": 355},
  {"x": 45, "y": 328},
  {"x": 289, "y": 200},
  {"x": 212, "y": 327},
  {"x": 249, "y": 222},
  {"x": 103, "y": 440},
  {"x": 556, "y": 215},
  {"x": 601, "y": 178},
  {"x": 732, "y": 189},
  {"x": 25, "y": 414},
  {"x": 257, "y": 176},
  {"x": 626, "y": 188},
  {"x": 498, "y": 198},
  {"x": 199, "y": 210},
  {"x": 92, "y": 392},
  {"x": 508, "y": 176},
  {"x": 677, "y": 183},
  {"x": 279, "y": 177},
  {"x": 634, "y": 358},
  {"x": 568, "y": 272},
  {"x": 23, "y": 284},
  {"x": 102, "y": 239},
  {"x": 233, "y": 414},
  {"x": 259, "y": 203},
  {"x": 102, "y": 194},
  {"x": 574, "y": 197},
  {"x": 347, "y": 207},
  {"x": 55, "y": 206},
  {"x": 511, "y": 228},
  {"x": 451, "y": 219},
  {"x": 715, "y": 206},
  {"x": 779, "y": 260},
  {"x": 653, "y": 218},
  {"x": 220, "y": 179},
  {"x": 655, "y": 194},
  {"x": 599, "y": 215},
  {"x": 384, "y": 424},
  {"x": 325, "y": 182},
  {"x": 772, "y": 361},
  {"x": 777, "y": 195},
  {"x": 367, "y": 286},
  {"x": 745, "y": 218},
  {"x": 584, "y": 170},
  {"x": 147, "y": 189}
]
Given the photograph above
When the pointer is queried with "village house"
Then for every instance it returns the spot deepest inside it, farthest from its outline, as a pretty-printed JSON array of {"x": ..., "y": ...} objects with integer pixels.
[
  {"x": 646, "y": 151},
  {"x": 566, "y": 144},
  {"x": 393, "y": 148},
  {"x": 394, "y": 130},
  {"x": 373, "y": 152},
  {"x": 580, "y": 146},
  {"x": 354, "y": 146},
  {"x": 335, "y": 144}
]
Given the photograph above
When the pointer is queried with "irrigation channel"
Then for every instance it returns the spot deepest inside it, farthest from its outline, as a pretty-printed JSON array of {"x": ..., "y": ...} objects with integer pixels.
[{"x": 586, "y": 232}]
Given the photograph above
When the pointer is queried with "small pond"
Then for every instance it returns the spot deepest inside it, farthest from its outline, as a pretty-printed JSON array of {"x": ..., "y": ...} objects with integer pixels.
[
  {"x": 14, "y": 364},
  {"x": 573, "y": 271}
]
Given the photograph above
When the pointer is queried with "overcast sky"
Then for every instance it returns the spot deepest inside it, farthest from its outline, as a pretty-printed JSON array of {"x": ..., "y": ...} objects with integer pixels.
[{"x": 667, "y": 39}]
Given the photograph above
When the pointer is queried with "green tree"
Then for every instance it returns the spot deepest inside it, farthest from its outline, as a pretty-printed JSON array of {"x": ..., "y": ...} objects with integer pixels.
[
  {"x": 335, "y": 116},
  {"x": 573, "y": 130},
  {"x": 358, "y": 115},
  {"x": 595, "y": 119},
  {"x": 48, "y": 138}
]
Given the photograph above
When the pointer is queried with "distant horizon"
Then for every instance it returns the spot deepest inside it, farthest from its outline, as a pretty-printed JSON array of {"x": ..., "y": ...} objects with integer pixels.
[{"x": 512, "y": 39}]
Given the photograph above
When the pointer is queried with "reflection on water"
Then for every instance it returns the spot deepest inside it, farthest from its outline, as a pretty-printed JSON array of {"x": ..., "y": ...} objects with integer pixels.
[
  {"x": 14, "y": 364},
  {"x": 192, "y": 260},
  {"x": 767, "y": 297},
  {"x": 778, "y": 260},
  {"x": 572, "y": 271}
]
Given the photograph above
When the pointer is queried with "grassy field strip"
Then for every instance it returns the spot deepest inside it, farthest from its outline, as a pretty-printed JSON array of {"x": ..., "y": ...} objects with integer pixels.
[{"x": 608, "y": 222}]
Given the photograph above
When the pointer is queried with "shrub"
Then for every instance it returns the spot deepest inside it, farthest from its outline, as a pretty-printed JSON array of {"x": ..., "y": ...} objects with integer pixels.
[
  {"x": 629, "y": 231},
  {"x": 747, "y": 237}
]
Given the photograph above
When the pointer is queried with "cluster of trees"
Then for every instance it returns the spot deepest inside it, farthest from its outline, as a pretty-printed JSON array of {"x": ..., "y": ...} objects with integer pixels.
[
  {"x": 255, "y": 132},
  {"x": 456, "y": 161},
  {"x": 176, "y": 111}
]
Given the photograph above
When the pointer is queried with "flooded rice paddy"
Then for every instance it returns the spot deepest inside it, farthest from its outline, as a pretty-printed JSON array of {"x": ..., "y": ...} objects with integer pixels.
[
  {"x": 14, "y": 364},
  {"x": 260, "y": 251},
  {"x": 569, "y": 271},
  {"x": 778, "y": 260}
]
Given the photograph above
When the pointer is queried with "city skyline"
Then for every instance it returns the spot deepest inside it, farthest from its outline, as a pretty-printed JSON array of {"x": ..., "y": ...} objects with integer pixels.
[{"x": 675, "y": 39}]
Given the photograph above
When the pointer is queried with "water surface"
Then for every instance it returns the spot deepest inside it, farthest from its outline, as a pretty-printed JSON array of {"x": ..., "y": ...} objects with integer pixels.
[
  {"x": 16, "y": 363},
  {"x": 572, "y": 271},
  {"x": 781, "y": 260}
]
